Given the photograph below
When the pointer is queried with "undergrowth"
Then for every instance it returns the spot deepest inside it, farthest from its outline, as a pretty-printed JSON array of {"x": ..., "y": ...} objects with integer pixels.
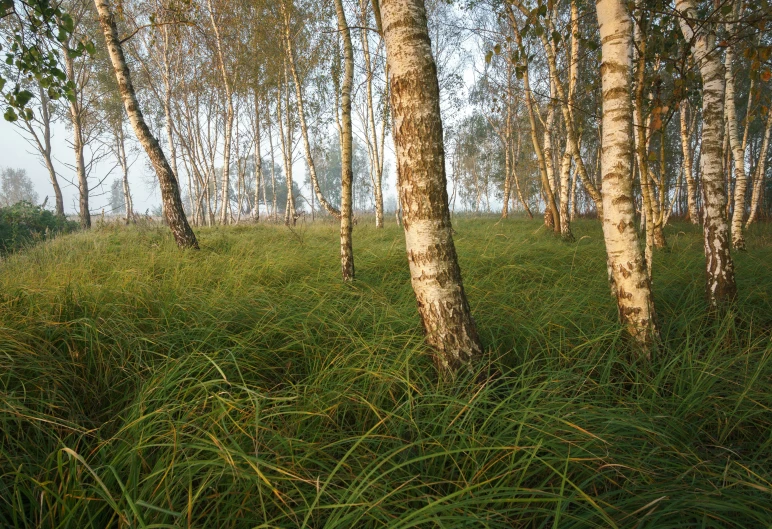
[{"x": 244, "y": 385}]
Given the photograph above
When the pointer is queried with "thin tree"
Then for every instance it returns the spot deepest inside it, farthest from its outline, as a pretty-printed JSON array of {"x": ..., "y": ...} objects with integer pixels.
[
  {"x": 41, "y": 140},
  {"x": 346, "y": 148},
  {"x": 170, "y": 192},
  {"x": 719, "y": 267}
]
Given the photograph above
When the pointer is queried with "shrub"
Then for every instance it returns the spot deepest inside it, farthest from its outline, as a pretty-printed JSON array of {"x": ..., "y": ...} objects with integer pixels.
[{"x": 24, "y": 223}]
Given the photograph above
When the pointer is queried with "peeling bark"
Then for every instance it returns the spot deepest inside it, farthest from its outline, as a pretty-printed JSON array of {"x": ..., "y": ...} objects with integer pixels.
[
  {"x": 170, "y": 192},
  {"x": 627, "y": 266},
  {"x": 434, "y": 270},
  {"x": 719, "y": 267},
  {"x": 736, "y": 145}
]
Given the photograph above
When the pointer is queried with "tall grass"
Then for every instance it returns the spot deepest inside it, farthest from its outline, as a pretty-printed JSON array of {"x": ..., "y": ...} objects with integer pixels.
[{"x": 245, "y": 385}]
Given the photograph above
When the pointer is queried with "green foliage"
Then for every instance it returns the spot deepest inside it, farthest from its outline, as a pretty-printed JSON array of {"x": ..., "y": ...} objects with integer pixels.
[
  {"x": 246, "y": 386},
  {"x": 33, "y": 26},
  {"x": 23, "y": 224}
]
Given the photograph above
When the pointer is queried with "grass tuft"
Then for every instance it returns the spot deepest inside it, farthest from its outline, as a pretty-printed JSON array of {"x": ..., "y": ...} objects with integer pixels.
[{"x": 245, "y": 385}]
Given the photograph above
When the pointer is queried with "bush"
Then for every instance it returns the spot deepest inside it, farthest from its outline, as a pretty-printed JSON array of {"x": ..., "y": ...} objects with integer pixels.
[{"x": 25, "y": 223}]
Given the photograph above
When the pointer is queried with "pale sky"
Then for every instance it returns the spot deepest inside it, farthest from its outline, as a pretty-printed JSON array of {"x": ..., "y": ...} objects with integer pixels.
[{"x": 18, "y": 153}]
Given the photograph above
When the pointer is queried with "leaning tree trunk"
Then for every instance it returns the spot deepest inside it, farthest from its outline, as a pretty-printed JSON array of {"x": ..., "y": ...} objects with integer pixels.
[
  {"x": 627, "y": 266},
  {"x": 719, "y": 268},
  {"x": 572, "y": 138},
  {"x": 541, "y": 155},
  {"x": 346, "y": 147},
  {"x": 332, "y": 210},
  {"x": 170, "y": 191},
  {"x": 434, "y": 270}
]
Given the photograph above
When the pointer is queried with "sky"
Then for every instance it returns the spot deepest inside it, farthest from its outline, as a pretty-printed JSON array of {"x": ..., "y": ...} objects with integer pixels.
[{"x": 18, "y": 153}]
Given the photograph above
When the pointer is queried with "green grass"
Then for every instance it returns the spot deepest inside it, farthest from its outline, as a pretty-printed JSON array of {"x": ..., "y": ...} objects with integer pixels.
[{"x": 245, "y": 386}]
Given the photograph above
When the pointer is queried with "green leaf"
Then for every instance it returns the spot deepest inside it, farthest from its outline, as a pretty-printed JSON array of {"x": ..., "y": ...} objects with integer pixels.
[
  {"x": 23, "y": 97},
  {"x": 67, "y": 23},
  {"x": 10, "y": 115}
]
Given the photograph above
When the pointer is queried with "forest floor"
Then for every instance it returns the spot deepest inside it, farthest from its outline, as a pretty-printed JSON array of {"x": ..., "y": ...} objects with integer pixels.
[{"x": 244, "y": 385}]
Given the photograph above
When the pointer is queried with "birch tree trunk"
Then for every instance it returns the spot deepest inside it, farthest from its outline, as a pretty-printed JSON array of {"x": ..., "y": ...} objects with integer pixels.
[
  {"x": 376, "y": 153},
  {"x": 565, "y": 170},
  {"x": 170, "y": 192},
  {"x": 346, "y": 148},
  {"x": 77, "y": 144},
  {"x": 168, "y": 102},
  {"x": 736, "y": 145},
  {"x": 627, "y": 267},
  {"x": 332, "y": 210},
  {"x": 274, "y": 212},
  {"x": 543, "y": 157},
  {"x": 758, "y": 182},
  {"x": 434, "y": 270},
  {"x": 551, "y": 213},
  {"x": 572, "y": 138},
  {"x": 44, "y": 147},
  {"x": 286, "y": 149},
  {"x": 225, "y": 212},
  {"x": 259, "y": 181},
  {"x": 719, "y": 268},
  {"x": 121, "y": 145},
  {"x": 686, "y": 147}
]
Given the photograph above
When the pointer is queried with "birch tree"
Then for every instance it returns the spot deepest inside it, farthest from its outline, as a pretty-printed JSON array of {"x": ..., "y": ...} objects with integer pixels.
[
  {"x": 627, "y": 267},
  {"x": 346, "y": 148},
  {"x": 291, "y": 60},
  {"x": 735, "y": 143},
  {"x": 415, "y": 101},
  {"x": 38, "y": 133},
  {"x": 170, "y": 193},
  {"x": 719, "y": 267}
]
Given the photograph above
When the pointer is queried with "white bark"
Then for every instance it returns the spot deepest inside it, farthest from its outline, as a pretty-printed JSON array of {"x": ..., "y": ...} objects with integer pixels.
[
  {"x": 346, "y": 148},
  {"x": 627, "y": 267},
  {"x": 434, "y": 270},
  {"x": 758, "y": 181},
  {"x": 719, "y": 267},
  {"x": 170, "y": 193},
  {"x": 688, "y": 155},
  {"x": 736, "y": 144}
]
